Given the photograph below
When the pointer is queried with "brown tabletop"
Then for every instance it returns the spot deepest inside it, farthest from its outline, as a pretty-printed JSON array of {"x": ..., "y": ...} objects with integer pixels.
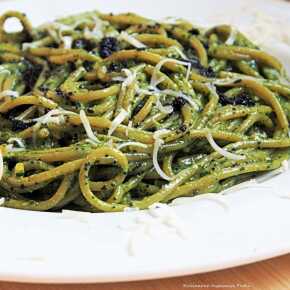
[{"x": 273, "y": 274}]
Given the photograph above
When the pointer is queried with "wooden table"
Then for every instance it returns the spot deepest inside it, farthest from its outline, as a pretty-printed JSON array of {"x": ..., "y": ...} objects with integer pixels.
[{"x": 272, "y": 274}]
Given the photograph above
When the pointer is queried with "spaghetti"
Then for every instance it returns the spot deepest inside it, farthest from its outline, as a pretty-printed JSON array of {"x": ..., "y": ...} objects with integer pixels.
[{"x": 101, "y": 112}]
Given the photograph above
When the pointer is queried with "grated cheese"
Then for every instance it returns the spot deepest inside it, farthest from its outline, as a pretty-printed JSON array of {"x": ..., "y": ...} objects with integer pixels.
[
  {"x": 131, "y": 40},
  {"x": 117, "y": 121},
  {"x": 53, "y": 116},
  {"x": 156, "y": 93},
  {"x": 25, "y": 113},
  {"x": 130, "y": 125},
  {"x": 167, "y": 216},
  {"x": 67, "y": 41},
  {"x": 9, "y": 93},
  {"x": 157, "y": 143},
  {"x": 2, "y": 201},
  {"x": 181, "y": 53},
  {"x": 154, "y": 80},
  {"x": 158, "y": 219},
  {"x": 130, "y": 78},
  {"x": 181, "y": 95},
  {"x": 222, "y": 151},
  {"x": 19, "y": 142},
  {"x": 88, "y": 128},
  {"x": 232, "y": 37}
]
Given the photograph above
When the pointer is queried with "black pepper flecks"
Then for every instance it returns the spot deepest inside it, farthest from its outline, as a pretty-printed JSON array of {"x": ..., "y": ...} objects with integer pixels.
[
  {"x": 241, "y": 99},
  {"x": 108, "y": 46},
  {"x": 178, "y": 103}
]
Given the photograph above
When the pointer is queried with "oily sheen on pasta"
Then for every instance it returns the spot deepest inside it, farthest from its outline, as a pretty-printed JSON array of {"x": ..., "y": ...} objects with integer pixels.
[{"x": 100, "y": 112}]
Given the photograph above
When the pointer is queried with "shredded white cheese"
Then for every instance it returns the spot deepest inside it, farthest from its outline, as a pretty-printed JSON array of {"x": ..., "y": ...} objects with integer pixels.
[
  {"x": 154, "y": 78},
  {"x": 53, "y": 116},
  {"x": 158, "y": 219},
  {"x": 181, "y": 53},
  {"x": 19, "y": 143},
  {"x": 67, "y": 41},
  {"x": 9, "y": 93},
  {"x": 232, "y": 37},
  {"x": 26, "y": 113},
  {"x": 222, "y": 151},
  {"x": 117, "y": 121},
  {"x": 88, "y": 128},
  {"x": 130, "y": 125},
  {"x": 130, "y": 78},
  {"x": 167, "y": 216},
  {"x": 4, "y": 71},
  {"x": 2, "y": 201},
  {"x": 153, "y": 91},
  {"x": 181, "y": 95},
  {"x": 157, "y": 143},
  {"x": 97, "y": 32},
  {"x": 161, "y": 108},
  {"x": 131, "y": 40},
  {"x": 168, "y": 109},
  {"x": 27, "y": 45},
  {"x": 55, "y": 30}
]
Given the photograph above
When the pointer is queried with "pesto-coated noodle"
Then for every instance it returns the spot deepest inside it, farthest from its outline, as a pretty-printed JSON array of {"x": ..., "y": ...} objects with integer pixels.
[{"x": 99, "y": 112}]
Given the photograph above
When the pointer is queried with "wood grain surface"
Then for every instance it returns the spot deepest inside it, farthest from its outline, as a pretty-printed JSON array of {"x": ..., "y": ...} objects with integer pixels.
[{"x": 273, "y": 274}]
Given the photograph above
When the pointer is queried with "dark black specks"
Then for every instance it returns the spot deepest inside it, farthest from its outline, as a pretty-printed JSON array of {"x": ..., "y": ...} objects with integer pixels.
[
  {"x": 183, "y": 128},
  {"x": 194, "y": 31},
  {"x": 83, "y": 44},
  {"x": 178, "y": 103},
  {"x": 18, "y": 125},
  {"x": 204, "y": 71},
  {"x": 207, "y": 72},
  {"x": 11, "y": 162},
  {"x": 30, "y": 74},
  {"x": 139, "y": 106},
  {"x": 108, "y": 46},
  {"x": 241, "y": 99}
]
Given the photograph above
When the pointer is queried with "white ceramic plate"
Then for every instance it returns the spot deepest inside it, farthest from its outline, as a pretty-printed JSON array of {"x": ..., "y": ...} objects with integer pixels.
[{"x": 50, "y": 247}]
